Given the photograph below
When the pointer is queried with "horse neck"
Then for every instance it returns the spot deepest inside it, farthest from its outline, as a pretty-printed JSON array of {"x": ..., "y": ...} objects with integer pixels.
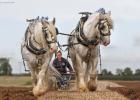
[{"x": 89, "y": 28}]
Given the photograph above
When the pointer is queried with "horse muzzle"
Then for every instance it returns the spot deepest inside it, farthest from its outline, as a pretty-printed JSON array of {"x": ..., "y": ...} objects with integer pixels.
[
  {"x": 106, "y": 43},
  {"x": 53, "y": 48}
]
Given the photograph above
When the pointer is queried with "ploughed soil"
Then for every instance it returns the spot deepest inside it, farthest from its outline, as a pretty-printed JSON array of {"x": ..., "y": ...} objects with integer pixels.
[
  {"x": 16, "y": 93},
  {"x": 130, "y": 90},
  {"x": 116, "y": 90},
  {"x": 25, "y": 93}
]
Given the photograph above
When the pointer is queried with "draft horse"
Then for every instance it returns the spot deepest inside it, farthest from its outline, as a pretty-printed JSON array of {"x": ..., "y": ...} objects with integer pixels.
[
  {"x": 37, "y": 50},
  {"x": 93, "y": 29}
]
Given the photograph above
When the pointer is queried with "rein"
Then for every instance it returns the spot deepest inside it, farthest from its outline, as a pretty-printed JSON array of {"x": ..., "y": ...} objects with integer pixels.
[
  {"x": 86, "y": 42},
  {"x": 71, "y": 44},
  {"x": 83, "y": 40},
  {"x": 66, "y": 34}
]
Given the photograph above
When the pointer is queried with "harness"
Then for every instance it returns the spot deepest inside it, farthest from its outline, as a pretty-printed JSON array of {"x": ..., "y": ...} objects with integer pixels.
[
  {"x": 29, "y": 39},
  {"x": 30, "y": 46},
  {"x": 81, "y": 38}
]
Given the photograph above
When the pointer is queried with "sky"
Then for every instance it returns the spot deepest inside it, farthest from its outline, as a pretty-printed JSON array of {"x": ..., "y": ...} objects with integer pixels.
[{"x": 122, "y": 52}]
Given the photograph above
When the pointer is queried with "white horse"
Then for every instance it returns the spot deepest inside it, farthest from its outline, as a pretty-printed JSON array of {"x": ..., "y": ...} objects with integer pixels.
[
  {"x": 37, "y": 50},
  {"x": 92, "y": 30}
]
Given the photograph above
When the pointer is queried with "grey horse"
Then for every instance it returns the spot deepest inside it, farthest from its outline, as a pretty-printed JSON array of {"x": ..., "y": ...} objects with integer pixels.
[
  {"x": 37, "y": 49},
  {"x": 92, "y": 30}
]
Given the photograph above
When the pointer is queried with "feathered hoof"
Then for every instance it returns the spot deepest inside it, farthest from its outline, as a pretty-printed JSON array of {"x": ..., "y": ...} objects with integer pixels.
[
  {"x": 92, "y": 86},
  {"x": 38, "y": 92},
  {"x": 83, "y": 89}
]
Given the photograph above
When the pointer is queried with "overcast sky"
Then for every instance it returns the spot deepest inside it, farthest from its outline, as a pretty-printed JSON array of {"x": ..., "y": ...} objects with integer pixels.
[{"x": 125, "y": 38}]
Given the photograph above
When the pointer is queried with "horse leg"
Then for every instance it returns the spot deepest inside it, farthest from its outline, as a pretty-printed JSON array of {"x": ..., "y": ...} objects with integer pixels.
[
  {"x": 33, "y": 74},
  {"x": 92, "y": 84},
  {"x": 42, "y": 83},
  {"x": 80, "y": 73},
  {"x": 87, "y": 73},
  {"x": 41, "y": 87}
]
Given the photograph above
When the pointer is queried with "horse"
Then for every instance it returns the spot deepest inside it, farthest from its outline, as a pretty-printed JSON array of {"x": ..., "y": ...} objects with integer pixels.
[
  {"x": 37, "y": 49},
  {"x": 92, "y": 30}
]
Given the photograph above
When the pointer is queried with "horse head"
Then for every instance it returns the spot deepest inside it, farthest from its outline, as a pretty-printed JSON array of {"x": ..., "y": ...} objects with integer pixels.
[
  {"x": 105, "y": 26},
  {"x": 98, "y": 25},
  {"x": 50, "y": 31}
]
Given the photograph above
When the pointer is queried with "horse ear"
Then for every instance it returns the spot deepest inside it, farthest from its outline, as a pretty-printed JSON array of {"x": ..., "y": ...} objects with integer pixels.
[
  {"x": 44, "y": 22},
  {"x": 53, "y": 21}
]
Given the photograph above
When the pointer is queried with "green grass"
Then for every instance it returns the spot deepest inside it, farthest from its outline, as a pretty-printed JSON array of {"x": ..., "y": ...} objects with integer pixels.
[{"x": 15, "y": 81}]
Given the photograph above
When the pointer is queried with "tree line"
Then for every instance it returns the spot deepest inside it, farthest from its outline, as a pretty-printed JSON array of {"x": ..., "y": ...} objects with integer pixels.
[
  {"x": 121, "y": 72},
  {"x": 5, "y": 67}
]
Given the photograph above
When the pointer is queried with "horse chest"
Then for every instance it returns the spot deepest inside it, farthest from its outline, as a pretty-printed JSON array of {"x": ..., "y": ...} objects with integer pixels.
[{"x": 88, "y": 54}]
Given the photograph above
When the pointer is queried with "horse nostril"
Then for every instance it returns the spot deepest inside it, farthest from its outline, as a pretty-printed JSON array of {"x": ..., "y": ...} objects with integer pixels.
[
  {"x": 106, "y": 43},
  {"x": 51, "y": 50}
]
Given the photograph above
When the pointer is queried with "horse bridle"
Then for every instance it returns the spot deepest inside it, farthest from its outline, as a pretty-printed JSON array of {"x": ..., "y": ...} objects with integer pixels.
[
  {"x": 45, "y": 30},
  {"x": 100, "y": 25},
  {"x": 84, "y": 41}
]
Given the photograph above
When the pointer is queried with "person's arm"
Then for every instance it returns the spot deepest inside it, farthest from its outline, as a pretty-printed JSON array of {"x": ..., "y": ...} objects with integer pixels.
[
  {"x": 54, "y": 63},
  {"x": 68, "y": 65}
]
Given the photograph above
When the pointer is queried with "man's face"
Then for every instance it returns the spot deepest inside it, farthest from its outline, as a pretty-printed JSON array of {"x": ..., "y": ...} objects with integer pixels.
[{"x": 59, "y": 55}]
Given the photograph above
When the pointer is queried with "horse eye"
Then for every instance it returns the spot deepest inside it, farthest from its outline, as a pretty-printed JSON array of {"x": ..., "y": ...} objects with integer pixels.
[
  {"x": 46, "y": 35},
  {"x": 96, "y": 37},
  {"x": 109, "y": 26},
  {"x": 46, "y": 29}
]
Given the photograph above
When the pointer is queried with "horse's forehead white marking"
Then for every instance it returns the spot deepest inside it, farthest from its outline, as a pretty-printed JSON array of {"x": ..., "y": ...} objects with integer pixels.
[
  {"x": 92, "y": 18},
  {"x": 37, "y": 27},
  {"x": 51, "y": 28},
  {"x": 38, "y": 24}
]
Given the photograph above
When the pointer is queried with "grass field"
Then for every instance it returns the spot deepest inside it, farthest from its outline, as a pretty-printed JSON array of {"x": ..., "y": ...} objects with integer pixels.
[{"x": 15, "y": 81}]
